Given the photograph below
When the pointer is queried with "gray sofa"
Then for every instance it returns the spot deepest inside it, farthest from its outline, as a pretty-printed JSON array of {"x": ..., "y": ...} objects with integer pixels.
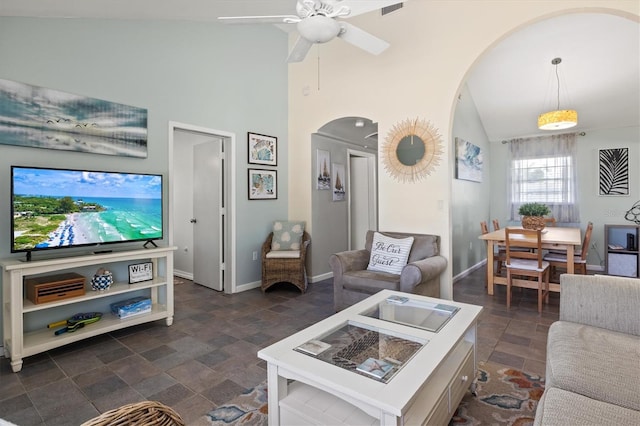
[
  {"x": 593, "y": 354},
  {"x": 352, "y": 282}
]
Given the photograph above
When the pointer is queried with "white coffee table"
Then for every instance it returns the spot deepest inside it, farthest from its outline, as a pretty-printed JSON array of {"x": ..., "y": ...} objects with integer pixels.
[{"x": 435, "y": 371}]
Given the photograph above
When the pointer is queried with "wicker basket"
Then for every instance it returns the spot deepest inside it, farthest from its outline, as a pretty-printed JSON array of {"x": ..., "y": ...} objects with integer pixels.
[
  {"x": 138, "y": 414},
  {"x": 537, "y": 223}
]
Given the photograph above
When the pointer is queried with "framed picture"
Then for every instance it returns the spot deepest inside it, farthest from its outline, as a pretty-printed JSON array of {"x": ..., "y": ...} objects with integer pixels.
[
  {"x": 323, "y": 170},
  {"x": 613, "y": 171},
  {"x": 263, "y": 149},
  {"x": 140, "y": 272},
  {"x": 468, "y": 161},
  {"x": 38, "y": 117},
  {"x": 263, "y": 184},
  {"x": 338, "y": 182}
]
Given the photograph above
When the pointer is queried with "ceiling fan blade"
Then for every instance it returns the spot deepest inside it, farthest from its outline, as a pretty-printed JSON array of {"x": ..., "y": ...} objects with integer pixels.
[
  {"x": 274, "y": 19},
  {"x": 358, "y": 7},
  {"x": 299, "y": 50},
  {"x": 362, "y": 39}
]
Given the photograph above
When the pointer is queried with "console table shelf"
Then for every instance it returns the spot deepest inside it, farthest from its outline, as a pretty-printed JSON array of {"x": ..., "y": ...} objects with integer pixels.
[
  {"x": 20, "y": 342},
  {"x": 622, "y": 256}
]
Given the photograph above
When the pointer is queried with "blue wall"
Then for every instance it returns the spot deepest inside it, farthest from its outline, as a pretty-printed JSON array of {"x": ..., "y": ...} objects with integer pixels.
[{"x": 224, "y": 77}]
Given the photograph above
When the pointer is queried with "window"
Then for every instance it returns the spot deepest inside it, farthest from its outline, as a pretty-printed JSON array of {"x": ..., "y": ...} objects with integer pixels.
[{"x": 543, "y": 170}]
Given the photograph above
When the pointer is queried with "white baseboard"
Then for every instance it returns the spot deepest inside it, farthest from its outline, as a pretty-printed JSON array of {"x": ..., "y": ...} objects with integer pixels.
[
  {"x": 248, "y": 286},
  {"x": 183, "y": 274},
  {"x": 595, "y": 268},
  {"x": 321, "y": 277},
  {"x": 468, "y": 271}
]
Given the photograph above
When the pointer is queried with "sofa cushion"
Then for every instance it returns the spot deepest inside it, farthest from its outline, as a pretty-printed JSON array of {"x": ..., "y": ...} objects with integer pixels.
[
  {"x": 389, "y": 254},
  {"x": 597, "y": 363},
  {"x": 424, "y": 245},
  {"x": 287, "y": 235},
  {"x": 560, "y": 407},
  {"x": 370, "y": 282}
]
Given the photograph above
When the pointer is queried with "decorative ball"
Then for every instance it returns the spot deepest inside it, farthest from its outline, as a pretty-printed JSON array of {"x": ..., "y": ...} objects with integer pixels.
[{"x": 102, "y": 281}]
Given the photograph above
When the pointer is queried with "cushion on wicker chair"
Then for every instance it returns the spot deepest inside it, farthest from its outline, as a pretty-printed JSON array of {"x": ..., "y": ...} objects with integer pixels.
[
  {"x": 287, "y": 235},
  {"x": 283, "y": 254}
]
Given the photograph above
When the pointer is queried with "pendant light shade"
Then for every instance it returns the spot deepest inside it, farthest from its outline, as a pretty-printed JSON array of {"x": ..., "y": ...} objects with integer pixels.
[{"x": 560, "y": 118}]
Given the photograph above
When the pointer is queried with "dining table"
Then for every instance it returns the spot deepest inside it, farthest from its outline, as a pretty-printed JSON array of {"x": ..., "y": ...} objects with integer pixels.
[{"x": 553, "y": 238}]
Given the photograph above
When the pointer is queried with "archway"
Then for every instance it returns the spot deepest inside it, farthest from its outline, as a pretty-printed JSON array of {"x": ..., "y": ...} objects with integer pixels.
[{"x": 344, "y": 155}]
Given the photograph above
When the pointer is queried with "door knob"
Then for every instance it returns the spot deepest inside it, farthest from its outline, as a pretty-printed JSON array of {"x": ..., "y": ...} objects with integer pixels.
[{"x": 193, "y": 220}]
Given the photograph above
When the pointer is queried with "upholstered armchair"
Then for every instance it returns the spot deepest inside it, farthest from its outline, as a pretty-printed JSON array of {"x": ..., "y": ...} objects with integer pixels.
[
  {"x": 284, "y": 254},
  {"x": 353, "y": 282}
]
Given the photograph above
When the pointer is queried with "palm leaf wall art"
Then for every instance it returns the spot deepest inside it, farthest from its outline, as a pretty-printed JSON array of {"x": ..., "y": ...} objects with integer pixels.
[{"x": 614, "y": 171}]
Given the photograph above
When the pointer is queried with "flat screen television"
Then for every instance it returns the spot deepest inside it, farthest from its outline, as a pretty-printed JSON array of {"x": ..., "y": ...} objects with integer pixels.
[{"x": 63, "y": 208}]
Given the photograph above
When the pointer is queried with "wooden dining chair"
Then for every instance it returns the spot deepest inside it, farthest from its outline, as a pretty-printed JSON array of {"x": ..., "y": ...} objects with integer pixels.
[
  {"x": 496, "y": 226},
  {"x": 549, "y": 221},
  {"x": 484, "y": 228},
  {"x": 526, "y": 263},
  {"x": 498, "y": 255},
  {"x": 559, "y": 259}
]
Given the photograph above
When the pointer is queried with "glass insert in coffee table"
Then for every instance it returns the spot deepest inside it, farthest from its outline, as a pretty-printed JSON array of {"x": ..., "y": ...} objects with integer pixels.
[
  {"x": 371, "y": 353},
  {"x": 430, "y": 316}
]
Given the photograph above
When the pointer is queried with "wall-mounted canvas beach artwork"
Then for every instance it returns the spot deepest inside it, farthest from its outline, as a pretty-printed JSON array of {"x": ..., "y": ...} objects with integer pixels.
[
  {"x": 338, "y": 181},
  {"x": 38, "y": 117},
  {"x": 323, "y": 170},
  {"x": 468, "y": 161}
]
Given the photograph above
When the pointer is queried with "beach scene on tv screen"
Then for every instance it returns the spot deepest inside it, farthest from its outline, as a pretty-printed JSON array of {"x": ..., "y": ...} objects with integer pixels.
[{"x": 64, "y": 208}]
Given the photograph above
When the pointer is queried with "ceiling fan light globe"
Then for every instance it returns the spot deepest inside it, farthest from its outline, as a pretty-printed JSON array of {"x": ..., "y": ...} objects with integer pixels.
[
  {"x": 558, "y": 120},
  {"x": 318, "y": 28}
]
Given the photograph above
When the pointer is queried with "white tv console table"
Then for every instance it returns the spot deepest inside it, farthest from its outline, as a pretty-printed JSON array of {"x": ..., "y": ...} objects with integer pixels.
[
  {"x": 425, "y": 386},
  {"x": 24, "y": 335}
]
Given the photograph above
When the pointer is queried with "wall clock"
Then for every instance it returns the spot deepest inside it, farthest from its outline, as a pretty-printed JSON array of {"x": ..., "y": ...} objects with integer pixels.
[{"x": 412, "y": 150}]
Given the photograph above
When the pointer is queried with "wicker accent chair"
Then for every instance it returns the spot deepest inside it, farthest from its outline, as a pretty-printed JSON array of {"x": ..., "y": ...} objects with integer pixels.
[
  {"x": 284, "y": 269},
  {"x": 138, "y": 414}
]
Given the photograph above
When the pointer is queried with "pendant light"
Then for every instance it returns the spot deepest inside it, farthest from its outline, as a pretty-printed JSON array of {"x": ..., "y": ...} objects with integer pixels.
[{"x": 560, "y": 118}]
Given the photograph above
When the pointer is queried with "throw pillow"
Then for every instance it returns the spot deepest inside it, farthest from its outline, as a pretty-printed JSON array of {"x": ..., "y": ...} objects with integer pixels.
[
  {"x": 287, "y": 235},
  {"x": 389, "y": 254}
]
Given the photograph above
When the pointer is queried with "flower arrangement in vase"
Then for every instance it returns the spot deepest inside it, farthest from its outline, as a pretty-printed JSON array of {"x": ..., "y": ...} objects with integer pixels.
[{"x": 533, "y": 215}]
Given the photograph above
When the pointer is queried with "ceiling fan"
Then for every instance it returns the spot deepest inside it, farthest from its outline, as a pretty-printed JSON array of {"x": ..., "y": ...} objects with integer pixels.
[{"x": 316, "y": 22}]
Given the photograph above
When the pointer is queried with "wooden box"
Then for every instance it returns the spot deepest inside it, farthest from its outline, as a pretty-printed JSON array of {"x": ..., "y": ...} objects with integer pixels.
[{"x": 54, "y": 287}]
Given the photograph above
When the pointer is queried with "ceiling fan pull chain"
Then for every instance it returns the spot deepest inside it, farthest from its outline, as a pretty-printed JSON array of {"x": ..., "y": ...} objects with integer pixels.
[{"x": 318, "y": 52}]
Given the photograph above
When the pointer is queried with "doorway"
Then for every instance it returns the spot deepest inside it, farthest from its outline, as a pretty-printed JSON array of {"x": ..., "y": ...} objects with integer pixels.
[
  {"x": 349, "y": 146},
  {"x": 362, "y": 193},
  {"x": 201, "y": 201}
]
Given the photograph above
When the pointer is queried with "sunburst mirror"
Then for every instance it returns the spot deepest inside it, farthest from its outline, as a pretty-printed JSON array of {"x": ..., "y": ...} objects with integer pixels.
[{"x": 412, "y": 150}]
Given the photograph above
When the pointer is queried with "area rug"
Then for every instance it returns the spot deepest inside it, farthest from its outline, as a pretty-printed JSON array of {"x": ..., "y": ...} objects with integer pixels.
[{"x": 503, "y": 396}]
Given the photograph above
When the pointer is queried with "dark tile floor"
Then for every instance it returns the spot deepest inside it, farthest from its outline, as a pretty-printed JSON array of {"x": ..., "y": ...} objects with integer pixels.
[{"x": 209, "y": 354}]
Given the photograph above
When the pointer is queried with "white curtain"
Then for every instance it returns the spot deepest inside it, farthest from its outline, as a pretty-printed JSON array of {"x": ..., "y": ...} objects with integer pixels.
[{"x": 543, "y": 169}]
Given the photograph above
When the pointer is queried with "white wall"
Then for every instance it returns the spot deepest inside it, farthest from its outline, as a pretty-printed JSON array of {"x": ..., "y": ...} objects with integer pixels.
[
  {"x": 470, "y": 201},
  {"x": 434, "y": 45}
]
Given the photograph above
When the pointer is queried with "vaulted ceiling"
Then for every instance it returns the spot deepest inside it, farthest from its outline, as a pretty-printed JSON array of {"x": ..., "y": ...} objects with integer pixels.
[{"x": 511, "y": 84}]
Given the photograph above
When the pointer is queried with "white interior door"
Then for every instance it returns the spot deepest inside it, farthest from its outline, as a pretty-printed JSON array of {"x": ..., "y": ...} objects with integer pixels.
[
  {"x": 362, "y": 199},
  {"x": 208, "y": 214}
]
